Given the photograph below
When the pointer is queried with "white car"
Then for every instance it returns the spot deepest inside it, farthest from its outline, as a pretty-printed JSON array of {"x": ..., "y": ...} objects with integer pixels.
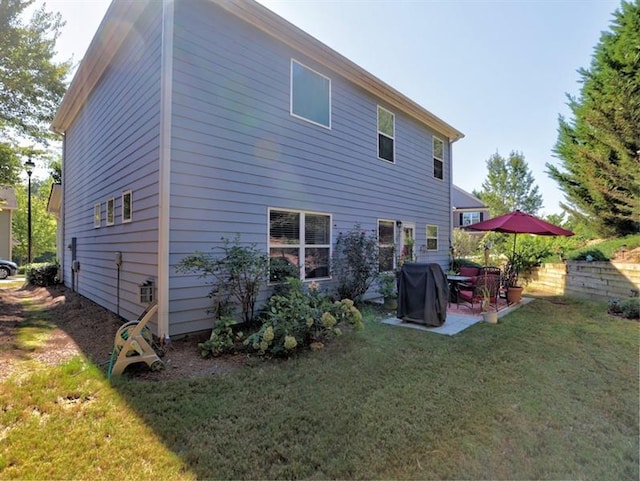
[{"x": 7, "y": 268}]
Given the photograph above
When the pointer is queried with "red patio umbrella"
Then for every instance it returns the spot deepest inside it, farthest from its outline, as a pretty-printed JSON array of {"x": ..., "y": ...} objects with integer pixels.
[{"x": 518, "y": 222}]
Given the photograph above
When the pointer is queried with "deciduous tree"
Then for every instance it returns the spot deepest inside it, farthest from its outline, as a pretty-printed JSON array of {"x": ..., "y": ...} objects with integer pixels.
[
  {"x": 509, "y": 185},
  {"x": 32, "y": 83}
]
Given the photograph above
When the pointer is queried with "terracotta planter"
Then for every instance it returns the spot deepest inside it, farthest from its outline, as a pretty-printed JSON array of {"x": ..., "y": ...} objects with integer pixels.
[
  {"x": 514, "y": 294},
  {"x": 490, "y": 317}
]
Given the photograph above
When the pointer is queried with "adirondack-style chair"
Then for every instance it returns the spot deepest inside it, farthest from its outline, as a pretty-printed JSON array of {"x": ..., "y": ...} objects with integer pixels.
[{"x": 132, "y": 344}]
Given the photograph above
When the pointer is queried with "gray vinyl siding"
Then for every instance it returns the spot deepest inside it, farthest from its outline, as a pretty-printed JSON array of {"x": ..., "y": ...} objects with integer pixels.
[
  {"x": 112, "y": 146},
  {"x": 236, "y": 151}
]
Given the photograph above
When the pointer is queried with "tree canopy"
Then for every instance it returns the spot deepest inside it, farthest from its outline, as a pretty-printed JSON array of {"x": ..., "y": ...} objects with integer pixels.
[
  {"x": 509, "y": 186},
  {"x": 599, "y": 148},
  {"x": 32, "y": 84}
]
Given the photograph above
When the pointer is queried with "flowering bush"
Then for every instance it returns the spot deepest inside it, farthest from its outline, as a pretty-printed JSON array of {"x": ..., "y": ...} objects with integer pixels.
[
  {"x": 223, "y": 339},
  {"x": 355, "y": 262},
  {"x": 297, "y": 319}
]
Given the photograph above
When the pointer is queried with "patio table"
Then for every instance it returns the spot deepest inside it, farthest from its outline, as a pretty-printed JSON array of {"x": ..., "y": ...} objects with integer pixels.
[{"x": 454, "y": 285}]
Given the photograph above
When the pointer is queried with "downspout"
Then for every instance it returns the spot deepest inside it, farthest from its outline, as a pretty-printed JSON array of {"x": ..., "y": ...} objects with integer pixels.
[
  {"x": 164, "y": 169},
  {"x": 451, "y": 252}
]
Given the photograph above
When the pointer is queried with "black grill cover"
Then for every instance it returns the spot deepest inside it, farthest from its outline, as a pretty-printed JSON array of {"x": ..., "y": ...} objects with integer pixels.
[{"x": 423, "y": 294}]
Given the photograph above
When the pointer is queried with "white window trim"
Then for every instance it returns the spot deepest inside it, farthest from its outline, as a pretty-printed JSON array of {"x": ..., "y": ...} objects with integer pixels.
[
  {"x": 395, "y": 233},
  {"x": 127, "y": 192},
  {"x": 328, "y": 127},
  {"x": 380, "y": 107},
  {"x": 97, "y": 215},
  {"x": 301, "y": 245},
  {"x": 426, "y": 230},
  {"x": 112, "y": 201},
  {"x": 438, "y": 158}
]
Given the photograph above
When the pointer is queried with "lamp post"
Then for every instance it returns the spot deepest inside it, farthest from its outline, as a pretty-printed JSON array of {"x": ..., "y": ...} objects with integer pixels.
[{"x": 29, "y": 166}]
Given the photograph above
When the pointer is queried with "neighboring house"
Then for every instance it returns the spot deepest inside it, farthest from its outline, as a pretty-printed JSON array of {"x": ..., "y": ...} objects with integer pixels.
[
  {"x": 467, "y": 209},
  {"x": 189, "y": 121},
  {"x": 7, "y": 205}
]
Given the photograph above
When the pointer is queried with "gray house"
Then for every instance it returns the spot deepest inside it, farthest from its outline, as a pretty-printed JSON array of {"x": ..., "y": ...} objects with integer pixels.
[
  {"x": 192, "y": 120},
  {"x": 467, "y": 209}
]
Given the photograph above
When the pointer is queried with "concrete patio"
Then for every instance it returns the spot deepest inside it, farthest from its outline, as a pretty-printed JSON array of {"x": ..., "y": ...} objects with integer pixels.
[{"x": 458, "y": 318}]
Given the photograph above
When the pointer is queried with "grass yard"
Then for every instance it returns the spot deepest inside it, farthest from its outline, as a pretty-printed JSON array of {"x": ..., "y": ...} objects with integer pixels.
[{"x": 549, "y": 393}]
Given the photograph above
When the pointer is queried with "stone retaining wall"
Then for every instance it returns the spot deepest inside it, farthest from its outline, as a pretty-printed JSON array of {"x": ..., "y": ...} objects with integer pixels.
[{"x": 601, "y": 280}]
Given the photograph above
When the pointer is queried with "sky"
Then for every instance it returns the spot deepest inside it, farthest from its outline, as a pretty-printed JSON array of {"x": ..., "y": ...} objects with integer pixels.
[{"x": 499, "y": 71}]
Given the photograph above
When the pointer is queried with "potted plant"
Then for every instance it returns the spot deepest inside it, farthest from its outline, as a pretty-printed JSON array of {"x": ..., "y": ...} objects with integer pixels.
[
  {"x": 515, "y": 264},
  {"x": 387, "y": 289},
  {"x": 490, "y": 316}
]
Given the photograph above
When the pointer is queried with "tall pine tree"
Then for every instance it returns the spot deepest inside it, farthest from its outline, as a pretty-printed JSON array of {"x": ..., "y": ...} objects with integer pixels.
[{"x": 599, "y": 148}]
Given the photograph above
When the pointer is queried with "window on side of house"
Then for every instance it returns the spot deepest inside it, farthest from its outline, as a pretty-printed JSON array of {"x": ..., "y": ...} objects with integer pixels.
[
  {"x": 438, "y": 158},
  {"x": 111, "y": 211},
  {"x": 386, "y": 135},
  {"x": 310, "y": 95},
  {"x": 469, "y": 218},
  {"x": 126, "y": 206},
  {"x": 432, "y": 237},
  {"x": 386, "y": 244},
  {"x": 297, "y": 237},
  {"x": 97, "y": 215}
]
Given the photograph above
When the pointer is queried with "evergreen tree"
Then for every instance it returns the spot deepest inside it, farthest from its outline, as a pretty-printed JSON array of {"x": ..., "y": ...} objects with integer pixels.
[
  {"x": 599, "y": 148},
  {"x": 509, "y": 186}
]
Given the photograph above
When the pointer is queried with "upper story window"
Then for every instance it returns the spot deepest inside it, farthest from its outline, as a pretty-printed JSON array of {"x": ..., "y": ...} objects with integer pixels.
[
  {"x": 97, "y": 215},
  {"x": 386, "y": 244},
  {"x": 111, "y": 211},
  {"x": 432, "y": 237},
  {"x": 296, "y": 237},
  {"x": 310, "y": 95},
  {"x": 469, "y": 218},
  {"x": 386, "y": 134},
  {"x": 126, "y": 206},
  {"x": 438, "y": 158}
]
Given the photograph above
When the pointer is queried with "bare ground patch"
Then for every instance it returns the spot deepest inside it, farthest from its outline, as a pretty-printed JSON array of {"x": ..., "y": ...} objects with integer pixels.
[{"x": 79, "y": 326}]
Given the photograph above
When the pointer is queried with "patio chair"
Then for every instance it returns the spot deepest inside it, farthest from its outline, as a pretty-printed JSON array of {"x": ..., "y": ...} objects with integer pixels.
[
  {"x": 133, "y": 344},
  {"x": 475, "y": 293}
]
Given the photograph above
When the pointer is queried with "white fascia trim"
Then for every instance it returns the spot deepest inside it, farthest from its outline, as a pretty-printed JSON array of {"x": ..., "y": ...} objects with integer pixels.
[{"x": 164, "y": 168}]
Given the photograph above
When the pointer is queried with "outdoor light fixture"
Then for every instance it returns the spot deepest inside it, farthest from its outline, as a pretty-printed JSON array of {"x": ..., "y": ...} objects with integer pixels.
[{"x": 29, "y": 165}]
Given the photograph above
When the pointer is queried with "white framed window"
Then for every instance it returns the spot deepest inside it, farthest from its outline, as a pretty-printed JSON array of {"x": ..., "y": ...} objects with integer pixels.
[
  {"x": 111, "y": 211},
  {"x": 310, "y": 95},
  {"x": 386, "y": 244},
  {"x": 299, "y": 240},
  {"x": 97, "y": 215},
  {"x": 469, "y": 218},
  {"x": 432, "y": 237},
  {"x": 438, "y": 158},
  {"x": 386, "y": 134},
  {"x": 126, "y": 206}
]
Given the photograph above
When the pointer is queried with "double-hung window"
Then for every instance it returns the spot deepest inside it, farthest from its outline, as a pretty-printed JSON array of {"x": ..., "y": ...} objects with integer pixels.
[
  {"x": 310, "y": 95},
  {"x": 386, "y": 244},
  {"x": 438, "y": 158},
  {"x": 301, "y": 240},
  {"x": 386, "y": 134},
  {"x": 432, "y": 237}
]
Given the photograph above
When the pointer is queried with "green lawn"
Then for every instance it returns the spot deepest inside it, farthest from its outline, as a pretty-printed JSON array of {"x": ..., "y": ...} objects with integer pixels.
[{"x": 549, "y": 393}]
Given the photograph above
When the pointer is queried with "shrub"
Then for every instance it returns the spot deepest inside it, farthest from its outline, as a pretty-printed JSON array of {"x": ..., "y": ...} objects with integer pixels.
[
  {"x": 355, "y": 262},
  {"x": 590, "y": 255},
  {"x": 298, "y": 319},
  {"x": 237, "y": 275},
  {"x": 458, "y": 263},
  {"x": 631, "y": 308},
  {"x": 42, "y": 275},
  {"x": 222, "y": 339},
  {"x": 387, "y": 285}
]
